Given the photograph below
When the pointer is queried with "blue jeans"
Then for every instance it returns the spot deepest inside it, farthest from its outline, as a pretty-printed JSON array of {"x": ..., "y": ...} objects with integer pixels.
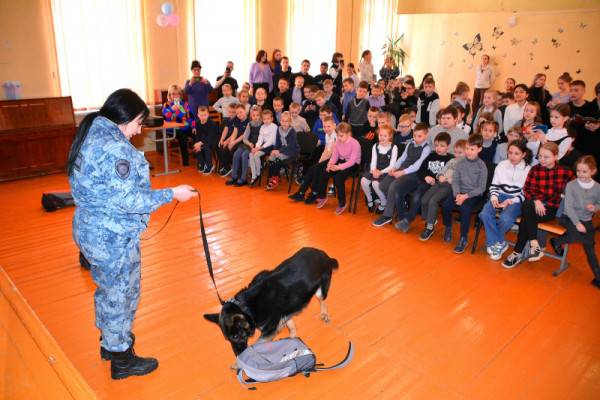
[
  {"x": 240, "y": 157},
  {"x": 496, "y": 228}
]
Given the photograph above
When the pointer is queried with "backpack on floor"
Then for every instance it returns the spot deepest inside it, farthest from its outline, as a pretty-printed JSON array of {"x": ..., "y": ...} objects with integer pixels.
[
  {"x": 272, "y": 361},
  {"x": 53, "y": 201}
]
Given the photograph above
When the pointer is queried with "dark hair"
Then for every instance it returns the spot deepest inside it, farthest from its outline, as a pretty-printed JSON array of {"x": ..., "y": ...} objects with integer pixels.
[
  {"x": 260, "y": 55},
  {"x": 578, "y": 82},
  {"x": 522, "y": 145},
  {"x": 324, "y": 63},
  {"x": 277, "y": 98},
  {"x": 349, "y": 80},
  {"x": 373, "y": 109},
  {"x": 587, "y": 160},
  {"x": 421, "y": 127},
  {"x": 429, "y": 81},
  {"x": 522, "y": 86},
  {"x": 326, "y": 109},
  {"x": 459, "y": 107},
  {"x": 566, "y": 77},
  {"x": 409, "y": 82},
  {"x": 450, "y": 110},
  {"x": 274, "y": 62},
  {"x": 443, "y": 137},
  {"x": 597, "y": 88},
  {"x": 122, "y": 106},
  {"x": 508, "y": 95},
  {"x": 365, "y": 53},
  {"x": 363, "y": 85},
  {"x": 475, "y": 140},
  {"x": 305, "y": 61},
  {"x": 195, "y": 64},
  {"x": 427, "y": 75},
  {"x": 335, "y": 56},
  {"x": 351, "y": 65}
]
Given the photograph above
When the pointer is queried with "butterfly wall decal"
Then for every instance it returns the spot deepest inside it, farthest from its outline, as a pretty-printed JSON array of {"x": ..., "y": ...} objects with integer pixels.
[
  {"x": 514, "y": 41},
  {"x": 577, "y": 51},
  {"x": 497, "y": 32},
  {"x": 582, "y": 25},
  {"x": 531, "y": 55},
  {"x": 493, "y": 47},
  {"x": 578, "y": 71},
  {"x": 555, "y": 42},
  {"x": 534, "y": 41},
  {"x": 475, "y": 46},
  {"x": 546, "y": 67},
  {"x": 514, "y": 64},
  {"x": 560, "y": 30}
]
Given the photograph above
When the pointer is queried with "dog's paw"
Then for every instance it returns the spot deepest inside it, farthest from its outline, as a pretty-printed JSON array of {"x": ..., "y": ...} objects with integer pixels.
[{"x": 325, "y": 318}]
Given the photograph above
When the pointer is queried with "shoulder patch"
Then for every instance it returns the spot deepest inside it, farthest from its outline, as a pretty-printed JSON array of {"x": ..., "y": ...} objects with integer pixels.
[{"x": 123, "y": 168}]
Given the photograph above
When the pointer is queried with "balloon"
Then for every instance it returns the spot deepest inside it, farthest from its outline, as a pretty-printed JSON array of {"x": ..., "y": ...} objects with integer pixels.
[
  {"x": 166, "y": 8},
  {"x": 173, "y": 19},
  {"x": 162, "y": 20}
]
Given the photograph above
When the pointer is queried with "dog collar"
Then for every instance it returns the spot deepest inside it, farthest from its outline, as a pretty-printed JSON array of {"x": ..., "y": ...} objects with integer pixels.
[{"x": 241, "y": 305}]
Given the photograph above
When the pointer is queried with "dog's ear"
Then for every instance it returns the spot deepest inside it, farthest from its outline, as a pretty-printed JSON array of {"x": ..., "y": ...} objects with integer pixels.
[{"x": 212, "y": 318}]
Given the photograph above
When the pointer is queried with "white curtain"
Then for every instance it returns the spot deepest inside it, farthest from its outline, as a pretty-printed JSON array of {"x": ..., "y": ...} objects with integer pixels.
[
  {"x": 99, "y": 46},
  {"x": 311, "y": 32},
  {"x": 379, "y": 21},
  {"x": 225, "y": 31}
]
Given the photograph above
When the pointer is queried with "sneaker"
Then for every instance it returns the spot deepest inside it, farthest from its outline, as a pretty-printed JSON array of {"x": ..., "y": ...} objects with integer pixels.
[
  {"x": 512, "y": 260},
  {"x": 222, "y": 171},
  {"x": 254, "y": 181},
  {"x": 501, "y": 248},
  {"x": 312, "y": 199},
  {"x": 447, "y": 234},
  {"x": 230, "y": 182},
  {"x": 298, "y": 196},
  {"x": 340, "y": 209},
  {"x": 370, "y": 206},
  {"x": 273, "y": 183},
  {"x": 208, "y": 170},
  {"x": 227, "y": 172},
  {"x": 200, "y": 168},
  {"x": 331, "y": 191},
  {"x": 403, "y": 225},
  {"x": 427, "y": 233},
  {"x": 596, "y": 282},
  {"x": 491, "y": 249},
  {"x": 461, "y": 245},
  {"x": 381, "y": 221},
  {"x": 321, "y": 202},
  {"x": 558, "y": 250},
  {"x": 535, "y": 254},
  {"x": 380, "y": 209},
  {"x": 240, "y": 182}
]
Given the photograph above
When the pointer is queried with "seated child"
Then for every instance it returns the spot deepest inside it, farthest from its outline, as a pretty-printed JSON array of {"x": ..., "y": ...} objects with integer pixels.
[
  {"x": 366, "y": 136},
  {"x": 205, "y": 132},
  {"x": 582, "y": 200},
  {"x": 310, "y": 109},
  {"x": 286, "y": 148},
  {"x": 506, "y": 196},
  {"x": 228, "y": 98},
  {"x": 347, "y": 97},
  {"x": 404, "y": 134},
  {"x": 322, "y": 102},
  {"x": 313, "y": 172},
  {"x": 489, "y": 132},
  {"x": 543, "y": 188},
  {"x": 344, "y": 161},
  {"x": 533, "y": 129},
  {"x": 324, "y": 112},
  {"x": 432, "y": 166},
  {"x": 403, "y": 178},
  {"x": 223, "y": 152},
  {"x": 376, "y": 99},
  {"x": 264, "y": 144},
  {"x": 502, "y": 148},
  {"x": 298, "y": 123},
  {"x": 244, "y": 98},
  {"x": 277, "y": 109},
  {"x": 332, "y": 97},
  {"x": 448, "y": 121},
  {"x": 177, "y": 110},
  {"x": 428, "y": 104},
  {"x": 558, "y": 133},
  {"x": 356, "y": 115},
  {"x": 468, "y": 186},
  {"x": 241, "y": 157},
  {"x": 436, "y": 194},
  {"x": 490, "y": 97},
  {"x": 461, "y": 119},
  {"x": 298, "y": 90},
  {"x": 384, "y": 155}
]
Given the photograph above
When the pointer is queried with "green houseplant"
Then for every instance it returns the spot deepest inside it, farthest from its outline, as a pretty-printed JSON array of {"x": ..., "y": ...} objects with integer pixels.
[{"x": 392, "y": 48}]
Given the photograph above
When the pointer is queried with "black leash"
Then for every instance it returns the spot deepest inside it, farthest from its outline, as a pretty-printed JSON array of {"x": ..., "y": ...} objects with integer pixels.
[{"x": 204, "y": 240}]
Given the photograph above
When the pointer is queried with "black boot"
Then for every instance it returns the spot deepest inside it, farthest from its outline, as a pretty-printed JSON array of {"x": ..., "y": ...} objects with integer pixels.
[
  {"x": 84, "y": 262},
  {"x": 106, "y": 355},
  {"x": 126, "y": 363}
]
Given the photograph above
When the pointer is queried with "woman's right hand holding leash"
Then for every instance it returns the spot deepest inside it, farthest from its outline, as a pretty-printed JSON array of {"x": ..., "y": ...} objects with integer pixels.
[{"x": 184, "y": 192}]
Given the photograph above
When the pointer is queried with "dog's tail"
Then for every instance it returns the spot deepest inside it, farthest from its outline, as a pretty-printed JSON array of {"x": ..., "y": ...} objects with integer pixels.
[{"x": 333, "y": 263}]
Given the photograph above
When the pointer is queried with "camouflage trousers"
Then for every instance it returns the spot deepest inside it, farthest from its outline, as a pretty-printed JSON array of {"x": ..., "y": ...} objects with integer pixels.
[{"x": 115, "y": 261}]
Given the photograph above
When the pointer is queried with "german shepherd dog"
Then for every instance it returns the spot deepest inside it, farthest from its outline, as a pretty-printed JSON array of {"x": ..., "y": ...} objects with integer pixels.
[{"x": 274, "y": 297}]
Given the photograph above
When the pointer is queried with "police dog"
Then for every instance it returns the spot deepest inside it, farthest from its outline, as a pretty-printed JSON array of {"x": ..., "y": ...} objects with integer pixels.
[{"x": 274, "y": 297}]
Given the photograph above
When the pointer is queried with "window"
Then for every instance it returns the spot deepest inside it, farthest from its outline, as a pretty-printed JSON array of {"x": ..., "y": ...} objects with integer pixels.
[
  {"x": 99, "y": 46},
  {"x": 311, "y": 32},
  {"x": 379, "y": 21},
  {"x": 225, "y": 31}
]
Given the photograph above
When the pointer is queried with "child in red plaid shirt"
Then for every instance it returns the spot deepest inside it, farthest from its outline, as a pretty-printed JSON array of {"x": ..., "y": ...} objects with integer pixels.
[{"x": 543, "y": 188}]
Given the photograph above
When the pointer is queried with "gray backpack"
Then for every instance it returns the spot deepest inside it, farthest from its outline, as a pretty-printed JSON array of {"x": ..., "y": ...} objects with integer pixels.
[{"x": 272, "y": 361}]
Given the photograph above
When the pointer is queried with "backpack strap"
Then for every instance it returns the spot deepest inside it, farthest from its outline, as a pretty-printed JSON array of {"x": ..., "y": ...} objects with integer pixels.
[
  {"x": 243, "y": 381},
  {"x": 342, "y": 363}
]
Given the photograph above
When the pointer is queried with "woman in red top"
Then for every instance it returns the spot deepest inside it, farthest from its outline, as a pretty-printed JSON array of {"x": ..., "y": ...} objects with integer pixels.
[{"x": 543, "y": 188}]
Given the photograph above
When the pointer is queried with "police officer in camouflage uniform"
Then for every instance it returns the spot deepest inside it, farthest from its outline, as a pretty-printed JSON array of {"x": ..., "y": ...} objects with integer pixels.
[{"x": 111, "y": 186}]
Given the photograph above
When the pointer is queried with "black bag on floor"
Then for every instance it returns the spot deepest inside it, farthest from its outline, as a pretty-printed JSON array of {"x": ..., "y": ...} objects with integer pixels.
[{"x": 56, "y": 200}]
